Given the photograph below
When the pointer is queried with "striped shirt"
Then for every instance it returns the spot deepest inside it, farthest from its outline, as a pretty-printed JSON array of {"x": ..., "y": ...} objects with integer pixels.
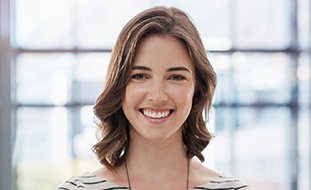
[{"x": 90, "y": 181}]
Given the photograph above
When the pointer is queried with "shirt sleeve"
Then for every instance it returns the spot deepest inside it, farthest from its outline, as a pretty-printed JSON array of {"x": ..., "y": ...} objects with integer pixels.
[{"x": 72, "y": 184}]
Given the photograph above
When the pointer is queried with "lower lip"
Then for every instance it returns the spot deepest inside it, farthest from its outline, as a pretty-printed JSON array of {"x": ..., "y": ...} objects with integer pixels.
[{"x": 157, "y": 121}]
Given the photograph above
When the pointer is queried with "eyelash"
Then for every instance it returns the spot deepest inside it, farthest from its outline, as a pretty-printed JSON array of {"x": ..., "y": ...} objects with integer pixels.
[
  {"x": 142, "y": 76},
  {"x": 177, "y": 77},
  {"x": 139, "y": 76}
]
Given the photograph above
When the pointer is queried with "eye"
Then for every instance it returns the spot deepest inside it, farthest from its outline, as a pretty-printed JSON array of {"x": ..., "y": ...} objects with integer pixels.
[
  {"x": 177, "y": 77},
  {"x": 139, "y": 76}
]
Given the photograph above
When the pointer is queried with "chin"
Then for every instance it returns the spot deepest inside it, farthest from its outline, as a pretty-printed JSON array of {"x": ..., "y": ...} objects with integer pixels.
[{"x": 163, "y": 136}]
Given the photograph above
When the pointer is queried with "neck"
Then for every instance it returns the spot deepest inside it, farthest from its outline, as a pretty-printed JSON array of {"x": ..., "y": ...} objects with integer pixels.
[{"x": 157, "y": 158}]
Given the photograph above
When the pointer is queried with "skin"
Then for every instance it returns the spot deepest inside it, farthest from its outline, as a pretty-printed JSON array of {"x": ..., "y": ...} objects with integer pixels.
[
  {"x": 159, "y": 83},
  {"x": 157, "y": 101}
]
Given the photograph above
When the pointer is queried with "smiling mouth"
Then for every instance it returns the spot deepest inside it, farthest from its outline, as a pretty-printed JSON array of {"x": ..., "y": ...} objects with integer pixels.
[{"x": 156, "y": 114}]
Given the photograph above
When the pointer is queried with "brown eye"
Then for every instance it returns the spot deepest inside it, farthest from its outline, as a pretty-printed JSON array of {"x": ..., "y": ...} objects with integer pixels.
[
  {"x": 177, "y": 77},
  {"x": 139, "y": 76}
]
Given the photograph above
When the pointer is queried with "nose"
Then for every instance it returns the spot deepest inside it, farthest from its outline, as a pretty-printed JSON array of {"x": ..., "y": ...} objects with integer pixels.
[{"x": 157, "y": 93}]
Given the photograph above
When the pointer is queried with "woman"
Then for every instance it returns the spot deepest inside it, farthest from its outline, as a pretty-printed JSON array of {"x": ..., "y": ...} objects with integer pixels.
[{"x": 151, "y": 110}]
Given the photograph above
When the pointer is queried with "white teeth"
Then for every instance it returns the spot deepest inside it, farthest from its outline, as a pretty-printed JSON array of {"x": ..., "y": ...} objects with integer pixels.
[{"x": 156, "y": 115}]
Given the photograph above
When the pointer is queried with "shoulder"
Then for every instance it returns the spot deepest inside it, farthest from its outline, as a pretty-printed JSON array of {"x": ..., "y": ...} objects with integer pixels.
[
  {"x": 207, "y": 179},
  {"x": 224, "y": 183},
  {"x": 87, "y": 181}
]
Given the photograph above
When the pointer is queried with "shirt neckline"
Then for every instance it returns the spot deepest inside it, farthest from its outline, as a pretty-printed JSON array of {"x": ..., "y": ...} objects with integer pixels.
[{"x": 213, "y": 179}]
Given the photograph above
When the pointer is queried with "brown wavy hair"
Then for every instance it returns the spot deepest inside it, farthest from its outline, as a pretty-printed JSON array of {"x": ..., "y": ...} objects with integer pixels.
[{"x": 113, "y": 147}]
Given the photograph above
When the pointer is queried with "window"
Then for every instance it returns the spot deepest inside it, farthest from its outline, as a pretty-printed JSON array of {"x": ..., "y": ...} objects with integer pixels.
[{"x": 260, "y": 50}]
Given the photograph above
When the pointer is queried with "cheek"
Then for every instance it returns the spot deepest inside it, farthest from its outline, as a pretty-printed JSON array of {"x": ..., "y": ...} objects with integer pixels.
[
  {"x": 127, "y": 100},
  {"x": 128, "y": 103},
  {"x": 132, "y": 95},
  {"x": 183, "y": 95}
]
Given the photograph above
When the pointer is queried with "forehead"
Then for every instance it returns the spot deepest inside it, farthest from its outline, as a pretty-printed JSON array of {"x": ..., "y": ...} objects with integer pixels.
[{"x": 164, "y": 50}]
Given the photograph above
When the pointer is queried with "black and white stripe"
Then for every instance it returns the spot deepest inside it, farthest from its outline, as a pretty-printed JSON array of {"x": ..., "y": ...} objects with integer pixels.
[{"x": 88, "y": 181}]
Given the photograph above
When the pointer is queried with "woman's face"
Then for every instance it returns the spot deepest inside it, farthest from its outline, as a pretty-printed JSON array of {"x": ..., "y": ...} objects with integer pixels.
[{"x": 158, "y": 98}]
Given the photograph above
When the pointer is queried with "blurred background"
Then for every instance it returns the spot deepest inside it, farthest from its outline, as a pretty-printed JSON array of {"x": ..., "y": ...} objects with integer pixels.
[{"x": 53, "y": 60}]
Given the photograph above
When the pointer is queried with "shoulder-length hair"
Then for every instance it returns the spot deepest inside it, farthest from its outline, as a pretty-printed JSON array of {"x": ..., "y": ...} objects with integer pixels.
[{"x": 113, "y": 147}]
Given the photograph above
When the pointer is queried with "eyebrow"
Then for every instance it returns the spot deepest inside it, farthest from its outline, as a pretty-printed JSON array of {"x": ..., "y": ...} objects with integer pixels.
[
  {"x": 138, "y": 67},
  {"x": 178, "y": 69}
]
